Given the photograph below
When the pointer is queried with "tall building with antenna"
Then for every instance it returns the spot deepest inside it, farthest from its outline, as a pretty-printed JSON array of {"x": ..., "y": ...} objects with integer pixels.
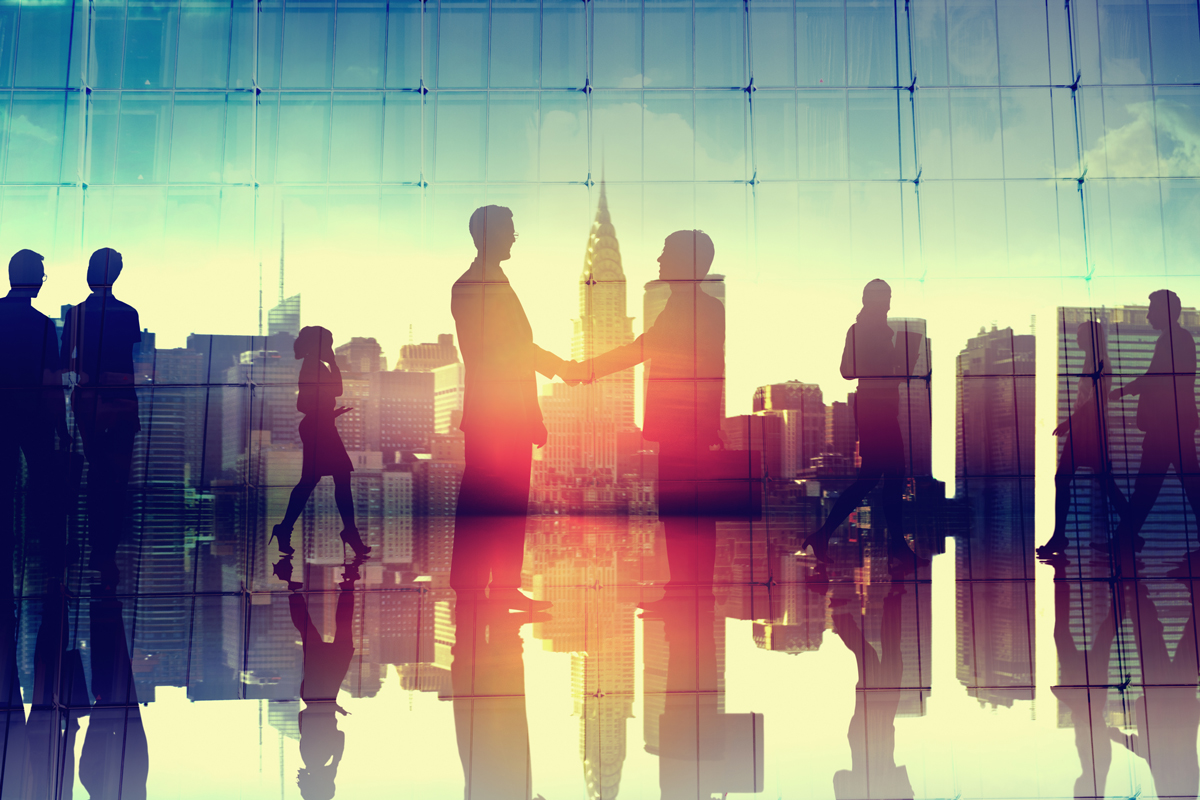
[{"x": 585, "y": 422}]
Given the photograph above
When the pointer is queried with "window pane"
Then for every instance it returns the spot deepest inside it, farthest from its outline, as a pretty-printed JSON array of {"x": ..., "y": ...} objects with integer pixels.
[
  {"x": 668, "y": 43},
  {"x": 1124, "y": 41},
  {"x": 720, "y": 37},
  {"x": 461, "y": 137},
  {"x": 617, "y": 127},
  {"x": 775, "y": 148},
  {"x": 564, "y": 44},
  {"x": 267, "y": 129},
  {"x": 357, "y": 137},
  {"x": 1177, "y": 114},
  {"x": 270, "y": 43},
  {"x": 303, "y": 138},
  {"x": 721, "y": 136},
  {"x": 617, "y": 43},
  {"x": 1023, "y": 42},
  {"x": 873, "y": 135},
  {"x": 821, "y": 122},
  {"x": 8, "y": 41},
  {"x": 512, "y": 136},
  {"x": 975, "y": 121},
  {"x": 239, "y": 138},
  {"x": 35, "y": 137},
  {"x": 43, "y": 45},
  {"x": 241, "y": 60},
  {"x": 773, "y": 59},
  {"x": 972, "y": 42},
  {"x": 203, "y": 45},
  {"x": 564, "y": 139},
  {"x": 149, "y": 47},
  {"x": 462, "y": 44},
  {"x": 102, "y": 122},
  {"x": 198, "y": 137},
  {"x": 402, "y": 137},
  {"x": 360, "y": 54},
  {"x": 820, "y": 43},
  {"x": 1175, "y": 33},
  {"x": 669, "y": 137},
  {"x": 1028, "y": 133},
  {"x": 404, "y": 44},
  {"x": 307, "y": 44},
  {"x": 871, "y": 43},
  {"x": 515, "y": 43},
  {"x": 143, "y": 141}
]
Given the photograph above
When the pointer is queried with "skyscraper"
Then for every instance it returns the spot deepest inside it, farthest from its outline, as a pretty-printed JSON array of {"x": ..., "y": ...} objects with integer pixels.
[
  {"x": 585, "y": 421},
  {"x": 802, "y": 410}
]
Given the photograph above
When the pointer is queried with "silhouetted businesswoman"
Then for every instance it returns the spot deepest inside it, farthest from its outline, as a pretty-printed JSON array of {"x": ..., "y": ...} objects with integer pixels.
[
  {"x": 1166, "y": 411},
  {"x": 1086, "y": 432},
  {"x": 97, "y": 345},
  {"x": 873, "y": 356},
  {"x": 325, "y": 667},
  {"x": 32, "y": 407},
  {"x": 685, "y": 354},
  {"x": 324, "y": 453},
  {"x": 501, "y": 418}
]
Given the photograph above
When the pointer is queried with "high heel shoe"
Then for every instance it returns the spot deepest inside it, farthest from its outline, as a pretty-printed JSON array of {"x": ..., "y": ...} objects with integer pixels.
[
  {"x": 351, "y": 539},
  {"x": 819, "y": 542},
  {"x": 284, "y": 537},
  {"x": 282, "y": 569}
]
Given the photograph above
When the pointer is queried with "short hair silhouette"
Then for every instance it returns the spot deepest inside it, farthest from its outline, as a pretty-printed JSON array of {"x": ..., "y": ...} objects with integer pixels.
[
  {"x": 104, "y": 267},
  {"x": 25, "y": 269},
  {"x": 1174, "y": 306},
  {"x": 309, "y": 341},
  {"x": 695, "y": 245},
  {"x": 484, "y": 221},
  {"x": 876, "y": 291}
]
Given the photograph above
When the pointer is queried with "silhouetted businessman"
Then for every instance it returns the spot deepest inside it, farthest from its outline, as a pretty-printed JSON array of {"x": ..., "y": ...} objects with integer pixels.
[
  {"x": 325, "y": 667},
  {"x": 99, "y": 336},
  {"x": 878, "y": 359},
  {"x": 487, "y": 679},
  {"x": 1166, "y": 412},
  {"x": 501, "y": 418},
  {"x": 685, "y": 354},
  {"x": 1086, "y": 432},
  {"x": 32, "y": 406}
]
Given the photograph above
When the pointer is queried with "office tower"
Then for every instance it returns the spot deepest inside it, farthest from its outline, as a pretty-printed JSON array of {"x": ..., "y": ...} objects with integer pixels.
[
  {"x": 400, "y": 412},
  {"x": 585, "y": 421},
  {"x": 763, "y": 433},
  {"x": 219, "y": 352},
  {"x": 801, "y": 408},
  {"x": 383, "y": 512},
  {"x": 435, "y": 498},
  {"x": 449, "y": 385},
  {"x": 259, "y": 395},
  {"x": 916, "y": 426},
  {"x": 285, "y": 317},
  {"x": 994, "y": 560},
  {"x": 841, "y": 433},
  {"x": 428, "y": 356},
  {"x": 360, "y": 355}
]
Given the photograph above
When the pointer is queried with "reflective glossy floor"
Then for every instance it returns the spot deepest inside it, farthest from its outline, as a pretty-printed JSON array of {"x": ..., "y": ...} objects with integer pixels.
[{"x": 965, "y": 670}]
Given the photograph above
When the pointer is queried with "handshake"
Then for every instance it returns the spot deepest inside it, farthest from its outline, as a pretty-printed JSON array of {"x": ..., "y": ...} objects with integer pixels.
[{"x": 574, "y": 373}]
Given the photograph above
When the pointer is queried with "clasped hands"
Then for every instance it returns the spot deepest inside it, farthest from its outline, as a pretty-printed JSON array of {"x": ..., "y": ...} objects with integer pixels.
[{"x": 573, "y": 373}]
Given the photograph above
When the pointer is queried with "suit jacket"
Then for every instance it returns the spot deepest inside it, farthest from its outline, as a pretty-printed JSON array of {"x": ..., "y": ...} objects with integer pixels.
[
  {"x": 1167, "y": 392},
  {"x": 685, "y": 351},
  {"x": 499, "y": 359}
]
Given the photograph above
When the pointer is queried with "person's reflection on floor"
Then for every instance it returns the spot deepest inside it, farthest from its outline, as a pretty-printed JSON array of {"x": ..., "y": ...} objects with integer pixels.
[
  {"x": 1086, "y": 432},
  {"x": 501, "y": 419},
  {"x": 873, "y": 771},
  {"x": 320, "y": 385},
  {"x": 487, "y": 679},
  {"x": 325, "y": 667},
  {"x": 99, "y": 336},
  {"x": 1167, "y": 715},
  {"x": 691, "y": 729},
  {"x": 878, "y": 359},
  {"x": 13, "y": 748},
  {"x": 115, "y": 761},
  {"x": 1083, "y": 674},
  {"x": 1166, "y": 412},
  {"x": 59, "y": 700}
]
